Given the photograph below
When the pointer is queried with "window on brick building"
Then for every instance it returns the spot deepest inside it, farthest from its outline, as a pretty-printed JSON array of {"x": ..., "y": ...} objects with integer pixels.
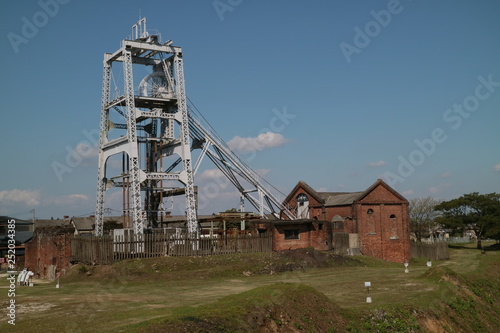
[
  {"x": 393, "y": 227},
  {"x": 302, "y": 198},
  {"x": 292, "y": 234},
  {"x": 302, "y": 206},
  {"x": 369, "y": 211}
]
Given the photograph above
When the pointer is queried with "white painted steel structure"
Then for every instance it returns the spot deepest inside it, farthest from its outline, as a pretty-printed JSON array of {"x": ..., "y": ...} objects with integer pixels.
[{"x": 151, "y": 117}]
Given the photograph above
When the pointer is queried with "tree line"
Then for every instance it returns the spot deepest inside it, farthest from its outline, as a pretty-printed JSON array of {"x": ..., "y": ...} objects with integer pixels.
[{"x": 477, "y": 212}]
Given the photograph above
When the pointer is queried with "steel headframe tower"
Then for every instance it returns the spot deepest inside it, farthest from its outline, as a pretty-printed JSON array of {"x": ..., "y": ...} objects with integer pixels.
[{"x": 150, "y": 117}]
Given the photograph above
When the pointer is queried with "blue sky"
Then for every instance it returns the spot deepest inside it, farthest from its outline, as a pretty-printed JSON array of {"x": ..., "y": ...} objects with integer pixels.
[{"x": 408, "y": 91}]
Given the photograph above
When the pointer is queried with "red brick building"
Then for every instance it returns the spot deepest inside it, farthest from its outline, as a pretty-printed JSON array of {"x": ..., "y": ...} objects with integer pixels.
[
  {"x": 49, "y": 251},
  {"x": 297, "y": 234},
  {"x": 378, "y": 216}
]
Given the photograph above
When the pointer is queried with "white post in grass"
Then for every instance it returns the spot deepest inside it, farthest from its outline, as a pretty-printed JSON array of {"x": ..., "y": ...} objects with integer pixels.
[{"x": 368, "y": 297}]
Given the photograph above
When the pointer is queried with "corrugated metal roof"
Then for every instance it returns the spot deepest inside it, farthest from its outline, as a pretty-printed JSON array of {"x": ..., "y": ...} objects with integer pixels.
[
  {"x": 20, "y": 237},
  {"x": 5, "y": 220},
  {"x": 83, "y": 223},
  {"x": 339, "y": 198}
]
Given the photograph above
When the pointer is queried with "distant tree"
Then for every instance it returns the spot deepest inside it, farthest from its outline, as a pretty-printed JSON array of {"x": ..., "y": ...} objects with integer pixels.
[
  {"x": 473, "y": 211},
  {"x": 423, "y": 216},
  {"x": 111, "y": 225},
  {"x": 231, "y": 223}
]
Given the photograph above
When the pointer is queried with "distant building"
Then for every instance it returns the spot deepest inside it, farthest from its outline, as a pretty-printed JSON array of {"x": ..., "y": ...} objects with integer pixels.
[
  {"x": 296, "y": 234},
  {"x": 23, "y": 233},
  {"x": 83, "y": 225},
  {"x": 374, "y": 222},
  {"x": 49, "y": 251},
  {"x": 51, "y": 223}
]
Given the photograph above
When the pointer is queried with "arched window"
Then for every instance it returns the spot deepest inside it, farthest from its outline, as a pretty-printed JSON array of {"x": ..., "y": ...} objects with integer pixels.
[
  {"x": 301, "y": 199},
  {"x": 393, "y": 225},
  {"x": 369, "y": 211},
  {"x": 302, "y": 206}
]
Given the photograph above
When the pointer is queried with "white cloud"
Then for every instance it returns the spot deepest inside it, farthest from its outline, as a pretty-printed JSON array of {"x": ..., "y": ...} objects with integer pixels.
[
  {"x": 377, "y": 164},
  {"x": 87, "y": 151},
  {"x": 446, "y": 175},
  {"x": 209, "y": 174},
  {"x": 37, "y": 198},
  {"x": 497, "y": 167},
  {"x": 17, "y": 202},
  {"x": 89, "y": 154},
  {"x": 27, "y": 197},
  {"x": 439, "y": 188},
  {"x": 259, "y": 143},
  {"x": 407, "y": 192},
  {"x": 263, "y": 172},
  {"x": 67, "y": 200}
]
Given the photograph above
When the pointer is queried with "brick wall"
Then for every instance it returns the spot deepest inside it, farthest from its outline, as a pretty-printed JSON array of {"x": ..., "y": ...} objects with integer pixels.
[
  {"x": 380, "y": 235},
  {"x": 314, "y": 234},
  {"x": 384, "y": 233},
  {"x": 48, "y": 252},
  {"x": 343, "y": 211}
]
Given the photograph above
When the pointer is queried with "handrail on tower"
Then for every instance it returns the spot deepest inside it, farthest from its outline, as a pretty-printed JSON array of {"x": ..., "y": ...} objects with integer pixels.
[{"x": 139, "y": 29}]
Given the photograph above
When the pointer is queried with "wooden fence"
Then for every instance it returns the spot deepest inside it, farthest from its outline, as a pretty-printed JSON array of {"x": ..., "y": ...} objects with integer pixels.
[
  {"x": 341, "y": 242},
  {"x": 109, "y": 249},
  {"x": 435, "y": 251}
]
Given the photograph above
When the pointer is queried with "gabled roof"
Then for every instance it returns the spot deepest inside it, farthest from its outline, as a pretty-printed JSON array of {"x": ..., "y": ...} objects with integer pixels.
[
  {"x": 341, "y": 198},
  {"x": 380, "y": 182},
  {"x": 5, "y": 220},
  {"x": 307, "y": 188},
  {"x": 20, "y": 237}
]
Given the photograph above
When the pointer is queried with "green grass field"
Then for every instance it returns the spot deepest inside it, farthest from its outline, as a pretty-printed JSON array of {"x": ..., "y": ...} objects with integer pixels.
[{"x": 137, "y": 295}]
